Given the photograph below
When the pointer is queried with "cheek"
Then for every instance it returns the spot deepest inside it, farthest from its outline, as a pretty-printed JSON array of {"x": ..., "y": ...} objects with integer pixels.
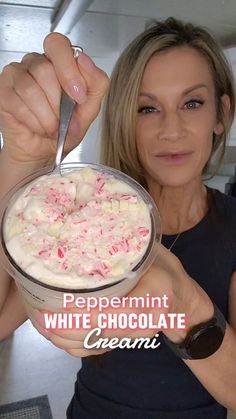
[
  {"x": 146, "y": 139},
  {"x": 197, "y": 133},
  {"x": 143, "y": 149},
  {"x": 204, "y": 139},
  {"x": 203, "y": 156}
]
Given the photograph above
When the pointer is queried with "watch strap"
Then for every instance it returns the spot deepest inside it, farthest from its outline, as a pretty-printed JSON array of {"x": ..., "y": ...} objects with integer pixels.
[{"x": 215, "y": 328}]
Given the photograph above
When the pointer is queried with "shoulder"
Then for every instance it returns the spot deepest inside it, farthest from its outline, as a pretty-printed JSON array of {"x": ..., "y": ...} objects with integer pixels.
[{"x": 224, "y": 205}]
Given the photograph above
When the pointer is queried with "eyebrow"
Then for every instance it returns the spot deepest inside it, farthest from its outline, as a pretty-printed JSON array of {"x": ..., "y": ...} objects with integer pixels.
[{"x": 185, "y": 92}]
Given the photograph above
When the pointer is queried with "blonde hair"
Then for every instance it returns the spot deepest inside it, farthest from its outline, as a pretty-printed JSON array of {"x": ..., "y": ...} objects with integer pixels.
[{"x": 118, "y": 145}]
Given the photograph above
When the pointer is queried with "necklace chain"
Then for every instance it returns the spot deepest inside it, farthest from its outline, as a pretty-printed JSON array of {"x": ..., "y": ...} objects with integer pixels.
[{"x": 175, "y": 240}]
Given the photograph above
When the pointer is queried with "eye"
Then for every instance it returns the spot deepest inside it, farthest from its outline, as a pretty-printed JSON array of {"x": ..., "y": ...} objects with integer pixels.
[
  {"x": 146, "y": 109},
  {"x": 193, "y": 104}
]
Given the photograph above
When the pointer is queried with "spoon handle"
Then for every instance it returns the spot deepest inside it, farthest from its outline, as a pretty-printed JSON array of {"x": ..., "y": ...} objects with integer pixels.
[{"x": 66, "y": 109}]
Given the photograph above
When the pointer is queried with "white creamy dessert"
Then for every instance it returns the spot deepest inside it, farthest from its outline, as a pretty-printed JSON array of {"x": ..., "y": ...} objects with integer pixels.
[{"x": 83, "y": 229}]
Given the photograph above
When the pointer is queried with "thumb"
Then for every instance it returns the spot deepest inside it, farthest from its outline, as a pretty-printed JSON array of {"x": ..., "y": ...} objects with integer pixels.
[{"x": 96, "y": 79}]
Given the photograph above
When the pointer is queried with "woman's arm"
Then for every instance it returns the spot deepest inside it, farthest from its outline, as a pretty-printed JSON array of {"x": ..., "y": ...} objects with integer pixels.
[
  {"x": 4, "y": 288},
  {"x": 12, "y": 311},
  {"x": 217, "y": 373}
]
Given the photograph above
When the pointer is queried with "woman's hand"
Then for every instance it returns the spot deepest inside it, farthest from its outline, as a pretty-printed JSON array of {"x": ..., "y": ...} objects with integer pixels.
[
  {"x": 30, "y": 98},
  {"x": 166, "y": 276}
]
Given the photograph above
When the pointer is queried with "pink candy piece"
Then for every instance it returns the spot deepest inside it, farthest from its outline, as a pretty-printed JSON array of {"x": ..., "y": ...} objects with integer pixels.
[
  {"x": 143, "y": 231},
  {"x": 92, "y": 244},
  {"x": 101, "y": 187},
  {"x": 60, "y": 252}
]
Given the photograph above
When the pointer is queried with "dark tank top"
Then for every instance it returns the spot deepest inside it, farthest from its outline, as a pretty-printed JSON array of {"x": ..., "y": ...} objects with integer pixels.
[{"x": 155, "y": 383}]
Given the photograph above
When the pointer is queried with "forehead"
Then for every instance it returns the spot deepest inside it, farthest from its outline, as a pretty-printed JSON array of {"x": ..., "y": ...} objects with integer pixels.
[{"x": 179, "y": 65}]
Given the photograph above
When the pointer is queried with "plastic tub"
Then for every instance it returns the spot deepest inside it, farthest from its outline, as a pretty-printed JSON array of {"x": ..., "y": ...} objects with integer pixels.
[{"x": 42, "y": 295}]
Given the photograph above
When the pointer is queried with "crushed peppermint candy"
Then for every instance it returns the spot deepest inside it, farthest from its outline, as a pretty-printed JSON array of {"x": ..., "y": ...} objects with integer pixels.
[{"x": 82, "y": 227}]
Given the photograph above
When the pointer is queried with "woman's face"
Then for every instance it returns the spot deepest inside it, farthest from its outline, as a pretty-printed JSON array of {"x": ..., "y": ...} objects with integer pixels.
[{"x": 176, "y": 116}]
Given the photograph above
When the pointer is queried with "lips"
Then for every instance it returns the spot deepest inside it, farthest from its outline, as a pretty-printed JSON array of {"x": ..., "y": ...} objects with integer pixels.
[
  {"x": 176, "y": 157},
  {"x": 173, "y": 153}
]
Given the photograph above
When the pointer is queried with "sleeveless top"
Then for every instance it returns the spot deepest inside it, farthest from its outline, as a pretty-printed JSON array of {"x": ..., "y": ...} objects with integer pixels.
[{"x": 155, "y": 383}]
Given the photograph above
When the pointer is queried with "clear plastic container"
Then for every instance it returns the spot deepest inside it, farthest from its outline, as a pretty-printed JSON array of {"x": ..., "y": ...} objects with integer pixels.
[{"x": 37, "y": 294}]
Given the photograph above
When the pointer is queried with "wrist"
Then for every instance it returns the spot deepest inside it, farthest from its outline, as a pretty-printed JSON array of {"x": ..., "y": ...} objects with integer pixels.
[
  {"x": 197, "y": 307},
  {"x": 202, "y": 340}
]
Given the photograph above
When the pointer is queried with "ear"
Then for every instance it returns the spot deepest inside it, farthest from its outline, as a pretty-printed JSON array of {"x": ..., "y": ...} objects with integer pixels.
[{"x": 219, "y": 128}]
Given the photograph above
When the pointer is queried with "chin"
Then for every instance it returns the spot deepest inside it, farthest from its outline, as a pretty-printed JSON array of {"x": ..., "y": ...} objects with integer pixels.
[{"x": 175, "y": 180}]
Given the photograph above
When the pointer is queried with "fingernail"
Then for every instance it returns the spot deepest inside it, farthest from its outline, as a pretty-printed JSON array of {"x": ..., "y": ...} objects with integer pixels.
[
  {"x": 77, "y": 92},
  {"x": 43, "y": 331},
  {"x": 86, "y": 62},
  {"x": 40, "y": 319}
]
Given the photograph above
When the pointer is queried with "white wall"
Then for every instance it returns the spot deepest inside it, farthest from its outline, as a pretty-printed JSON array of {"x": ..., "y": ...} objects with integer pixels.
[{"x": 231, "y": 55}]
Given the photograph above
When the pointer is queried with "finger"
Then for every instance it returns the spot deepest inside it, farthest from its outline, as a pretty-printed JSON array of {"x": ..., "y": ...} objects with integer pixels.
[
  {"x": 80, "y": 326},
  {"x": 73, "y": 335},
  {"x": 86, "y": 352},
  {"x": 131, "y": 334},
  {"x": 12, "y": 104},
  {"x": 57, "y": 340},
  {"x": 58, "y": 50},
  {"x": 35, "y": 99},
  {"x": 97, "y": 83},
  {"x": 42, "y": 71},
  {"x": 40, "y": 329},
  {"x": 65, "y": 344},
  {"x": 13, "y": 133},
  {"x": 96, "y": 79}
]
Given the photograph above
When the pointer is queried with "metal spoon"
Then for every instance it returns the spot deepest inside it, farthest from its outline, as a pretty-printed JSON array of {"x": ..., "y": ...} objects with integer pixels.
[{"x": 66, "y": 109}]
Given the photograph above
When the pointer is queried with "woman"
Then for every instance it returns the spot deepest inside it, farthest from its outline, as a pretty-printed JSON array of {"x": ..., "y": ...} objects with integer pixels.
[{"x": 169, "y": 107}]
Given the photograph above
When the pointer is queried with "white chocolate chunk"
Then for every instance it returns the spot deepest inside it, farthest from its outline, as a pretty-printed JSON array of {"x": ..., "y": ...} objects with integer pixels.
[{"x": 83, "y": 229}]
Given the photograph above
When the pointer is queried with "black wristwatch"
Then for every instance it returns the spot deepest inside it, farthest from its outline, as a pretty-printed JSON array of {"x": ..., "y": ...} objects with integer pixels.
[{"x": 202, "y": 340}]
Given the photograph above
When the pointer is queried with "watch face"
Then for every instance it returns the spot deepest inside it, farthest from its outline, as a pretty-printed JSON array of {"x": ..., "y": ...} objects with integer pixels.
[{"x": 205, "y": 342}]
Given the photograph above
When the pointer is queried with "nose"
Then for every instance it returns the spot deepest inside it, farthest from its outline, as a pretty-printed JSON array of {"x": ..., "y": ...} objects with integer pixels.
[{"x": 171, "y": 127}]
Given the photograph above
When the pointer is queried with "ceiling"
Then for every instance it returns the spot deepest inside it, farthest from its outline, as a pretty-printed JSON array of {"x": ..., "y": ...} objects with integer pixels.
[{"x": 107, "y": 25}]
